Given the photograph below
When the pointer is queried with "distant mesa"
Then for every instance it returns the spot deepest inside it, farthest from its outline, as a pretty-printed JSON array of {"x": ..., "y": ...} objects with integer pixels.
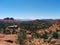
[
  {"x": 10, "y": 20},
  {"x": 7, "y": 18}
]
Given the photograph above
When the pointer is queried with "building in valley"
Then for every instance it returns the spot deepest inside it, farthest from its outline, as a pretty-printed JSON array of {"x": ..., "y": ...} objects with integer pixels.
[{"x": 14, "y": 29}]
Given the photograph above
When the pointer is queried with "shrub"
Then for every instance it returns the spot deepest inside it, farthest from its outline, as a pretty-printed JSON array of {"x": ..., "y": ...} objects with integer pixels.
[
  {"x": 32, "y": 43},
  {"x": 21, "y": 36},
  {"x": 55, "y": 35}
]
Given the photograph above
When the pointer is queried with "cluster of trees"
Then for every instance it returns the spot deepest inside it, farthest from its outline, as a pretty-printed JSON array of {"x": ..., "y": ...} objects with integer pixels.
[{"x": 35, "y": 25}]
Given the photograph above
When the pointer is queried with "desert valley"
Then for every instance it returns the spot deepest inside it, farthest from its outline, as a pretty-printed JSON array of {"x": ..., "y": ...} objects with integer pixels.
[{"x": 32, "y": 32}]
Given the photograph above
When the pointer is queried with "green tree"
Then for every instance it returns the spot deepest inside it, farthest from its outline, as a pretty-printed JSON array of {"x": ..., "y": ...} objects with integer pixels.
[
  {"x": 55, "y": 35},
  {"x": 32, "y": 43},
  {"x": 21, "y": 36},
  {"x": 45, "y": 36}
]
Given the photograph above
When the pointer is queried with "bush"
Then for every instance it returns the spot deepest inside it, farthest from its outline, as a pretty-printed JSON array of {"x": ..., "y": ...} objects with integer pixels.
[
  {"x": 32, "y": 43},
  {"x": 55, "y": 35},
  {"x": 45, "y": 36},
  {"x": 21, "y": 36}
]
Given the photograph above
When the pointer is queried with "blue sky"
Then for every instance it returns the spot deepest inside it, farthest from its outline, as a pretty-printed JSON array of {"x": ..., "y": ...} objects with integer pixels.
[{"x": 30, "y": 9}]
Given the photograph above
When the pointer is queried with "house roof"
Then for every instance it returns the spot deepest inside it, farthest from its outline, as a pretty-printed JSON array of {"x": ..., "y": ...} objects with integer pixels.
[{"x": 13, "y": 26}]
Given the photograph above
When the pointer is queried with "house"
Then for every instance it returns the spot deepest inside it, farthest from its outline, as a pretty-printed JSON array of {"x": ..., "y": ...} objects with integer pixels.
[{"x": 14, "y": 29}]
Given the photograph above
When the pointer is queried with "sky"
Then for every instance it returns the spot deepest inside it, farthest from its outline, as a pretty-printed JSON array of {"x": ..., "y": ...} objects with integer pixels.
[{"x": 30, "y": 9}]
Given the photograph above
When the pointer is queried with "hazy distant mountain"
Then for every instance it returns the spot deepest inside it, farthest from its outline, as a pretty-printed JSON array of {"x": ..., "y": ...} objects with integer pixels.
[
  {"x": 24, "y": 19},
  {"x": 50, "y": 20}
]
